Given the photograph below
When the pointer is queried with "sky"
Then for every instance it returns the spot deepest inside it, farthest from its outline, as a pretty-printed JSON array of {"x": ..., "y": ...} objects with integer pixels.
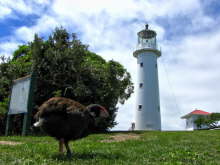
[{"x": 188, "y": 34}]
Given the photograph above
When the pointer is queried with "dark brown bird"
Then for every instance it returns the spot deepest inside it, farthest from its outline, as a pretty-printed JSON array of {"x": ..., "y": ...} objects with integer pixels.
[{"x": 66, "y": 120}]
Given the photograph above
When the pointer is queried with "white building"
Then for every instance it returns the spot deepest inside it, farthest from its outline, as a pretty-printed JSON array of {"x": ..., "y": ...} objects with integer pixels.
[
  {"x": 192, "y": 116},
  {"x": 147, "y": 110}
]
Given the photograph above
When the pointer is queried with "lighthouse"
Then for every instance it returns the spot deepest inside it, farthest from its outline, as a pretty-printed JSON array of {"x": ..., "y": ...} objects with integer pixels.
[{"x": 147, "y": 109}]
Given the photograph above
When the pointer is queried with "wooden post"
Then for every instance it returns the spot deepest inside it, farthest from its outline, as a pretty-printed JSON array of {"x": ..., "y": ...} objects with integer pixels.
[
  {"x": 8, "y": 125},
  {"x": 9, "y": 119}
]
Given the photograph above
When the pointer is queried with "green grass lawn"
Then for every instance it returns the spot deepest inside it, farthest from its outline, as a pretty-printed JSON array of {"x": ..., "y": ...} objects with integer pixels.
[{"x": 198, "y": 147}]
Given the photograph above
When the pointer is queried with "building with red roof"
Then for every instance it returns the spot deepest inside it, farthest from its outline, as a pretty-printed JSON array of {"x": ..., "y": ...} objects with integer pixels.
[{"x": 192, "y": 116}]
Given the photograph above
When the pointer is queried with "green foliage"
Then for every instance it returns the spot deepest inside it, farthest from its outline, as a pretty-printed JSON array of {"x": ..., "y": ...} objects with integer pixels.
[
  {"x": 215, "y": 116},
  {"x": 23, "y": 50},
  {"x": 57, "y": 93},
  {"x": 210, "y": 121},
  {"x": 4, "y": 78},
  {"x": 4, "y": 106},
  {"x": 151, "y": 148},
  {"x": 3, "y": 110},
  {"x": 65, "y": 67}
]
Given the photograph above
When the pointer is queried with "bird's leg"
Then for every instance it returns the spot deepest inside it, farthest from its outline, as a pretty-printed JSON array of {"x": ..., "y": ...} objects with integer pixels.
[
  {"x": 61, "y": 143},
  {"x": 69, "y": 154}
]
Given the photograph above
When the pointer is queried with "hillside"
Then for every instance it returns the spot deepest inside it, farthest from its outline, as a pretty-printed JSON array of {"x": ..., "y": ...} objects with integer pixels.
[{"x": 198, "y": 147}]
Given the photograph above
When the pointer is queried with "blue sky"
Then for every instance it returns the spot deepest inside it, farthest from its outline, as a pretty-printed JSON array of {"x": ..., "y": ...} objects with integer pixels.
[{"x": 187, "y": 32}]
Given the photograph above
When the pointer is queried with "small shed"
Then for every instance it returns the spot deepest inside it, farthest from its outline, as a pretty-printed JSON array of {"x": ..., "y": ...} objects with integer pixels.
[{"x": 192, "y": 116}]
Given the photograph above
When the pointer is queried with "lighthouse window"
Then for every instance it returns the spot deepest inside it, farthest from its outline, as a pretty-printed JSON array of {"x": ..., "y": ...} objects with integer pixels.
[
  {"x": 139, "y": 107},
  {"x": 141, "y": 64},
  {"x": 141, "y": 85}
]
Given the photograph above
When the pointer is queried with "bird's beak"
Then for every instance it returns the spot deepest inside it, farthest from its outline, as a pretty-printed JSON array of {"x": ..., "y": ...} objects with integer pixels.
[{"x": 39, "y": 123}]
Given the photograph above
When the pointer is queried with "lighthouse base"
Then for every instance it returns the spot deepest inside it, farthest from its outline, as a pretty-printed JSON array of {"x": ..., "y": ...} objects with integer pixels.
[{"x": 147, "y": 127}]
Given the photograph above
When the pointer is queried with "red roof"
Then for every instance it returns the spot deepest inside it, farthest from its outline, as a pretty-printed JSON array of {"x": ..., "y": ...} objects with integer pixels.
[
  {"x": 200, "y": 112},
  {"x": 196, "y": 112}
]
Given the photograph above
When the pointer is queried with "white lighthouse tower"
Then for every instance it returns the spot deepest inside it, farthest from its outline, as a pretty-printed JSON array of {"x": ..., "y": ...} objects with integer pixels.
[{"x": 147, "y": 108}]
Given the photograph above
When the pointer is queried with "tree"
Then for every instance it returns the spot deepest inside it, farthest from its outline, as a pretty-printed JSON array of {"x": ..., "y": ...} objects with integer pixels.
[
  {"x": 65, "y": 67},
  {"x": 210, "y": 121}
]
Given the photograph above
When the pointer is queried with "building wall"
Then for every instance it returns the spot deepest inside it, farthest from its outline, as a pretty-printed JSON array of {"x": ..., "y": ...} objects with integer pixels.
[{"x": 190, "y": 125}]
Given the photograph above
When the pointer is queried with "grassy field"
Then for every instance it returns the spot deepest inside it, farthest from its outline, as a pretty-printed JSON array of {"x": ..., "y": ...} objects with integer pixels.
[{"x": 198, "y": 147}]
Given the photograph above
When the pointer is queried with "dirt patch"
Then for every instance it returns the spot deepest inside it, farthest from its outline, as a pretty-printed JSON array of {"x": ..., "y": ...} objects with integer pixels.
[
  {"x": 121, "y": 137},
  {"x": 11, "y": 143}
]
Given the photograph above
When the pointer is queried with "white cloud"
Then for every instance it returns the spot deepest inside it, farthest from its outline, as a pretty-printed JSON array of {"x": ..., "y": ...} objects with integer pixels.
[
  {"x": 19, "y": 6},
  {"x": 42, "y": 1},
  {"x": 45, "y": 25},
  {"x": 7, "y": 48},
  {"x": 4, "y": 11},
  {"x": 25, "y": 7},
  {"x": 25, "y": 34}
]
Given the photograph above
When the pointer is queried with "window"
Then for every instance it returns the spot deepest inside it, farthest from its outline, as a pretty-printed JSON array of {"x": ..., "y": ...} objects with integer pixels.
[
  {"x": 139, "y": 107},
  {"x": 141, "y": 64},
  {"x": 141, "y": 85}
]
